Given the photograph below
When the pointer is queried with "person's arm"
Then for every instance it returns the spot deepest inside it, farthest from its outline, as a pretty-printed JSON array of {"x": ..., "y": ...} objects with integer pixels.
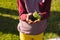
[
  {"x": 45, "y": 9},
  {"x": 21, "y": 9}
]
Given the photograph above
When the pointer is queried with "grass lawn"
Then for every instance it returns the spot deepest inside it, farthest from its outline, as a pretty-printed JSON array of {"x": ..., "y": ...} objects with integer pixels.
[{"x": 9, "y": 20}]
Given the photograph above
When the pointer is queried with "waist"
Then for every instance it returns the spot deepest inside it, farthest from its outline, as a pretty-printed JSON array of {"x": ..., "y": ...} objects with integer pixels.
[{"x": 32, "y": 28}]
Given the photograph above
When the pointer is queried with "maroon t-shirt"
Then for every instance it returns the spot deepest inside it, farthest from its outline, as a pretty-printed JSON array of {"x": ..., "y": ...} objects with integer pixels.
[{"x": 42, "y": 7}]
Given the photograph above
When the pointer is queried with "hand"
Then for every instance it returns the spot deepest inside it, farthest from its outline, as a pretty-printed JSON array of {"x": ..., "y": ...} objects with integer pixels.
[{"x": 29, "y": 21}]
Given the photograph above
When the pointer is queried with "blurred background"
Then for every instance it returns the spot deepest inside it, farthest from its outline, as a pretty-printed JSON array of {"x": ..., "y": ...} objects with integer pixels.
[{"x": 9, "y": 19}]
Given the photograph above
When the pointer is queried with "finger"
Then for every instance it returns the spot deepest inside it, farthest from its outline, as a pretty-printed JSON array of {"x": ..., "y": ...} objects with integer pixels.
[
  {"x": 30, "y": 22},
  {"x": 36, "y": 21},
  {"x": 27, "y": 18},
  {"x": 43, "y": 1},
  {"x": 28, "y": 15}
]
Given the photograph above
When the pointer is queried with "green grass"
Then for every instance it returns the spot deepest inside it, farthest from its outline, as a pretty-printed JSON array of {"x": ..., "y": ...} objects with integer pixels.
[{"x": 9, "y": 20}]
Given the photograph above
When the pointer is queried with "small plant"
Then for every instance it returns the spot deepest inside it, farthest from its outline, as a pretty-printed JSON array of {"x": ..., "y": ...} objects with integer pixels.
[{"x": 35, "y": 16}]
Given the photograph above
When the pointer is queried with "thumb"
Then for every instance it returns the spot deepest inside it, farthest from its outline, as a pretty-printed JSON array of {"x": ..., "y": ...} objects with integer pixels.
[{"x": 43, "y": 1}]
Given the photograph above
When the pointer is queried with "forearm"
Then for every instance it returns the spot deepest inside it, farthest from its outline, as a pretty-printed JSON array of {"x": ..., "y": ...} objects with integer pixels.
[
  {"x": 45, "y": 9},
  {"x": 21, "y": 9}
]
